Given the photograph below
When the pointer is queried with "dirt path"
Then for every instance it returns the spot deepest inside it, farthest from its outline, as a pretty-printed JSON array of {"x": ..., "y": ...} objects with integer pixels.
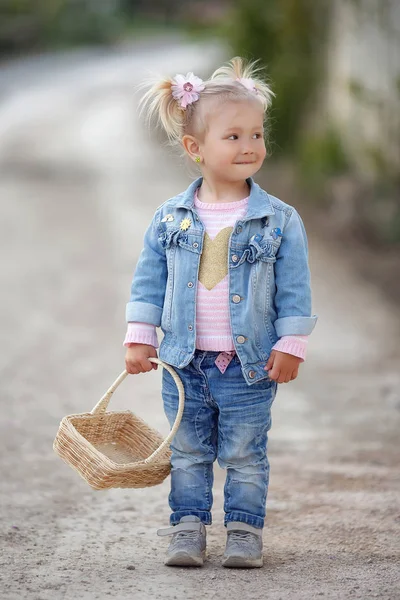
[{"x": 74, "y": 205}]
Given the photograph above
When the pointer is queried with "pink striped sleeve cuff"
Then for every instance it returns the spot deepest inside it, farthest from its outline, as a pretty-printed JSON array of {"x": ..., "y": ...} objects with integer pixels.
[
  {"x": 141, "y": 333},
  {"x": 293, "y": 344}
]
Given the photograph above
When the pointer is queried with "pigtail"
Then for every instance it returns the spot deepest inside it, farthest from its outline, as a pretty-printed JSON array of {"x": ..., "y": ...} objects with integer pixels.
[
  {"x": 159, "y": 104},
  {"x": 248, "y": 73}
]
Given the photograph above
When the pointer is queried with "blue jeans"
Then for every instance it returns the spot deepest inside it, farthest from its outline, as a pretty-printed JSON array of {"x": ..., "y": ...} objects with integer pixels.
[{"x": 225, "y": 419}]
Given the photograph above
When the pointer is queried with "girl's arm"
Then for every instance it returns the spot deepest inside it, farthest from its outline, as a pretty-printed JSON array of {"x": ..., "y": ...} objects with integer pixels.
[
  {"x": 292, "y": 278},
  {"x": 141, "y": 333},
  {"x": 293, "y": 344},
  {"x": 149, "y": 281}
]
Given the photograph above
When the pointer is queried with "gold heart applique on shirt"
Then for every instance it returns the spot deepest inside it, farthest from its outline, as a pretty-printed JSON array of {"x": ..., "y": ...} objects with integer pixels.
[{"x": 214, "y": 259}]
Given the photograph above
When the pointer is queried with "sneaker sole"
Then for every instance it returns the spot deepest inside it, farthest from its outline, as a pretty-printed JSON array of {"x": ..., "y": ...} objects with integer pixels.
[
  {"x": 182, "y": 559},
  {"x": 238, "y": 562}
]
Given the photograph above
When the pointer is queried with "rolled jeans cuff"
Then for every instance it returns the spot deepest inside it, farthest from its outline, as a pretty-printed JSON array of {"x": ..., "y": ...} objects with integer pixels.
[{"x": 243, "y": 517}]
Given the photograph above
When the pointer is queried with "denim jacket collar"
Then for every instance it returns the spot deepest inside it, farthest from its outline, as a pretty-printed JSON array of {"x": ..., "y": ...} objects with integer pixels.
[{"x": 259, "y": 202}]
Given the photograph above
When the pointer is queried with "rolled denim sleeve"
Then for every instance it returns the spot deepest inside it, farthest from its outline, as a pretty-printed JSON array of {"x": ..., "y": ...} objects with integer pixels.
[
  {"x": 149, "y": 280},
  {"x": 292, "y": 278}
]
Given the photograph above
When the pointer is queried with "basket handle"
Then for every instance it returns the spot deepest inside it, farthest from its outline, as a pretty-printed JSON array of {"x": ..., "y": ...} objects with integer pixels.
[{"x": 102, "y": 405}]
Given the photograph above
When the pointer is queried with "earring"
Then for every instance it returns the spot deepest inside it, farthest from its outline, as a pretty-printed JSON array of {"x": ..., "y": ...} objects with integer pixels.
[{"x": 197, "y": 159}]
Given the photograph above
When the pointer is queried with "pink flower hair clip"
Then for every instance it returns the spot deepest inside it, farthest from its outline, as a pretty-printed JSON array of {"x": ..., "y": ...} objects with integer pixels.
[
  {"x": 248, "y": 83},
  {"x": 187, "y": 89}
]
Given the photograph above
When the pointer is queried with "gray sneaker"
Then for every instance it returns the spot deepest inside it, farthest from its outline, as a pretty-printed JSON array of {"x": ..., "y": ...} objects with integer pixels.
[
  {"x": 188, "y": 544},
  {"x": 243, "y": 546}
]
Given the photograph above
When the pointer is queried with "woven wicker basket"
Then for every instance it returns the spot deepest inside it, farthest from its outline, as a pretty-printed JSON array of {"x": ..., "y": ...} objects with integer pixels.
[{"x": 117, "y": 449}]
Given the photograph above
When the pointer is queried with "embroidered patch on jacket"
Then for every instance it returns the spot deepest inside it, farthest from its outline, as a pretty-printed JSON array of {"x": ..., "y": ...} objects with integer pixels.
[{"x": 214, "y": 259}]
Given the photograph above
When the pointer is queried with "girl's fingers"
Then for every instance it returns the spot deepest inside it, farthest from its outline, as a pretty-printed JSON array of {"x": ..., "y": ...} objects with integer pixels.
[
  {"x": 283, "y": 377},
  {"x": 270, "y": 362},
  {"x": 140, "y": 366},
  {"x": 133, "y": 367},
  {"x": 132, "y": 370},
  {"x": 145, "y": 366},
  {"x": 274, "y": 374}
]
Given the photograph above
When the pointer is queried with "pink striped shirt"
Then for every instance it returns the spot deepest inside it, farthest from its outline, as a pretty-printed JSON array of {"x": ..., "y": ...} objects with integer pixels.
[{"x": 213, "y": 330}]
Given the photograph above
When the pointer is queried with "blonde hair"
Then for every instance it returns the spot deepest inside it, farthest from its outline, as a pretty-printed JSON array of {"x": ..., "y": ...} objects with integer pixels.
[{"x": 158, "y": 102}]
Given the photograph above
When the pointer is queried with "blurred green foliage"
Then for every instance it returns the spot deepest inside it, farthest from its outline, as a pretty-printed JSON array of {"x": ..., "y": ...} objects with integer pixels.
[
  {"x": 288, "y": 36},
  {"x": 27, "y": 25},
  {"x": 321, "y": 155}
]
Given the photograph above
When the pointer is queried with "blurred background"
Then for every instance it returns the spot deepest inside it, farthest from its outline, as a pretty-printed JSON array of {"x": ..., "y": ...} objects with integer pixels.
[{"x": 80, "y": 178}]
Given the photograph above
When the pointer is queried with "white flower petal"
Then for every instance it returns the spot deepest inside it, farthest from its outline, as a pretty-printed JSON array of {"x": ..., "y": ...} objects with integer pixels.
[
  {"x": 180, "y": 79},
  {"x": 197, "y": 81},
  {"x": 193, "y": 96}
]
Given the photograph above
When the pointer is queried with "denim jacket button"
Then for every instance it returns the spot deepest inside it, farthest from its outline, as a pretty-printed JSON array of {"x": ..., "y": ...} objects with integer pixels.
[
  {"x": 240, "y": 339},
  {"x": 252, "y": 374},
  {"x": 235, "y": 258},
  {"x": 190, "y": 327},
  {"x": 239, "y": 229},
  {"x": 195, "y": 245},
  {"x": 190, "y": 284},
  {"x": 236, "y": 299}
]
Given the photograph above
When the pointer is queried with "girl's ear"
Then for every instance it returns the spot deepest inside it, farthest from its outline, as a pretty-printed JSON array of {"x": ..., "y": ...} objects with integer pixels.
[{"x": 191, "y": 146}]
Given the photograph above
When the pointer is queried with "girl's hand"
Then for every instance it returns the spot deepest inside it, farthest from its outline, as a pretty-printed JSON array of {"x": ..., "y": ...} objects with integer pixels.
[
  {"x": 282, "y": 367},
  {"x": 136, "y": 358}
]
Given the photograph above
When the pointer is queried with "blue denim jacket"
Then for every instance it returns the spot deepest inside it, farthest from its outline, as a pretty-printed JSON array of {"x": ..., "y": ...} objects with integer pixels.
[{"x": 269, "y": 279}]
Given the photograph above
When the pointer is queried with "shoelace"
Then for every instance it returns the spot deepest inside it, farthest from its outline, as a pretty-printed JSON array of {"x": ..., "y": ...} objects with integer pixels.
[{"x": 238, "y": 536}]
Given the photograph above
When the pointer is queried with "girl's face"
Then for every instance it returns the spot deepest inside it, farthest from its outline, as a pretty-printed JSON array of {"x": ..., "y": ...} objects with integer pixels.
[{"x": 233, "y": 148}]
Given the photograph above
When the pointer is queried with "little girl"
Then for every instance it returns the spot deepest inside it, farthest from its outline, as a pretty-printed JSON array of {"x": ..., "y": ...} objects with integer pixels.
[{"x": 224, "y": 273}]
